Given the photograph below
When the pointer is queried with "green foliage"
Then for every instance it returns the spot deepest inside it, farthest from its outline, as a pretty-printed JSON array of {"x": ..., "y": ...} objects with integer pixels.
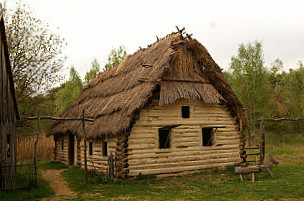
[
  {"x": 249, "y": 79},
  {"x": 35, "y": 52},
  {"x": 90, "y": 75},
  {"x": 115, "y": 57},
  {"x": 68, "y": 91}
]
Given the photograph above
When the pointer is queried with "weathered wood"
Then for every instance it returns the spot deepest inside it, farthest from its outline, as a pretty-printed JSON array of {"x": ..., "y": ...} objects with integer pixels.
[
  {"x": 177, "y": 169},
  {"x": 190, "y": 158},
  {"x": 85, "y": 147},
  {"x": 60, "y": 119},
  {"x": 180, "y": 80},
  {"x": 35, "y": 150},
  {"x": 147, "y": 65},
  {"x": 246, "y": 170},
  {"x": 282, "y": 119},
  {"x": 111, "y": 167},
  {"x": 262, "y": 140}
]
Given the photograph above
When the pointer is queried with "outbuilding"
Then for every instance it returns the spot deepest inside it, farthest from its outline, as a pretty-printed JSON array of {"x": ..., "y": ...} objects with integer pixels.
[
  {"x": 163, "y": 110},
  {"x": 9, "y": 114}
]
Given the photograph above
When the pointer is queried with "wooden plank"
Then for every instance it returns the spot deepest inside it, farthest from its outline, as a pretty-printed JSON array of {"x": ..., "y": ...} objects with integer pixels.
[
  {"x": 132, "y": 154},
  {"x": 178, "y": 169},
  {"x": 178, "y": 159}
]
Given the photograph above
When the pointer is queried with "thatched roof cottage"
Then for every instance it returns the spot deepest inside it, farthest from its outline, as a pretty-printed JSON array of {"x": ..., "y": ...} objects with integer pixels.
[{"x": 165, "y": 109}]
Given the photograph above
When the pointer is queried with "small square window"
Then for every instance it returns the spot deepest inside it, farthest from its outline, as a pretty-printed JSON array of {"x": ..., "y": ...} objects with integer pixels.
[
  {"x": 207, "y": 135},
  {"x": 104, "y": 149},
  {"x": 164, "y": 138},
  {"x": 186, "y": 112},
  {"x": 90, "y": 148}
]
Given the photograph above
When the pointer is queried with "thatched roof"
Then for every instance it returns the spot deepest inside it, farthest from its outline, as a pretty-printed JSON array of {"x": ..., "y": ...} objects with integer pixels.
[{"x": 180, "y": 66}]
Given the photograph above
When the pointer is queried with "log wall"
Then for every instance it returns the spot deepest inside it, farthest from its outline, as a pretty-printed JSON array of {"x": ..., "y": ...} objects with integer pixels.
[
  {"x": 186, "y": 152},
  {"x": 8, "y": 108},
  {"x": 97, "y": 161},
  {"x": 62, "y": 154}
]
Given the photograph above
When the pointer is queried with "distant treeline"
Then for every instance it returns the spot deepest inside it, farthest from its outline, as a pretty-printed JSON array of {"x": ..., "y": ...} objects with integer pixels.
[{"x": 267, "y": 91}]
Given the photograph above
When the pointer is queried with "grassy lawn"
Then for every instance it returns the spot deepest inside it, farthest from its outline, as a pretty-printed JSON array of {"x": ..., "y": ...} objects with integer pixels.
[
  {"x": 213, "y": 184},
  {"x": 42, "y": 191},
  {"x": 210, "y": 184}
]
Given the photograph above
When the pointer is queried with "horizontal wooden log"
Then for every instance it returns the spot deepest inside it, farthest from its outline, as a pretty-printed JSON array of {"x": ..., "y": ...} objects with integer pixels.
[
  {"x": 177, "y": 169},
  {"x": 246, "y": 170},
  {"x": 189, "y": 158},
  {"x": 180, "y": 153},
  {"x": 59, "y": 118},
  {"x": 183, "y": 163},
  {"x": 283, "y": 119}
]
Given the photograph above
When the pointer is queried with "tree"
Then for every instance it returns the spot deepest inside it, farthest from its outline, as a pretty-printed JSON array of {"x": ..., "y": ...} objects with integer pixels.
[
  {"x": 249, "y": 79},
  {"x": 68, "y": 91},
  {"x": 35, "y": 52},
  {"x": 95, "y": 69},
  {"x": 115, "y": 57}
]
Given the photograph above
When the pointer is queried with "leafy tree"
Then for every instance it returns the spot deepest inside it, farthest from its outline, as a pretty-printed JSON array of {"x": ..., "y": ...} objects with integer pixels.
[
  {"x": 249, "y": 79},
  {"x": 68, "y": 91},
  {"x": 35, "y": 52},
  {"x": 95, "y": 69},
  {"x": 115, "y": 57}
]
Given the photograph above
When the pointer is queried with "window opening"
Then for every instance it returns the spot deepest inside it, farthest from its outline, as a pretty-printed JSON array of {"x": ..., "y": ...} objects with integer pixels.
[
  {"x": 207, "y": 136},
  {"x": 8, "y": 146},
  {"x": 90, "y": 148},
  {"x": 186, "y": 112},
  {"x": 164, "y": 138},
  {"x": 62, "y": 144},
  {"x": 104, "y": 149}
]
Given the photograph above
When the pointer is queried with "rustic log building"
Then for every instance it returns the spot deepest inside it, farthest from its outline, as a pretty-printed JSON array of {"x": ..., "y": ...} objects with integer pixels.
[
  {"x": 8, "y": 109},
  {"x": 165, "y": 109}
]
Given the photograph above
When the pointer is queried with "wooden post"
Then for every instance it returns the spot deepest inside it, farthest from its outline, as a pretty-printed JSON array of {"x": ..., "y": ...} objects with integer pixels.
[
  {"x": 35, "y": 150},
  {"x": 111, "y": 167},
  {"x": 249, "y": 136},
  {"x": 85, "y": 148},
  {"x": 262, "y": 140}
]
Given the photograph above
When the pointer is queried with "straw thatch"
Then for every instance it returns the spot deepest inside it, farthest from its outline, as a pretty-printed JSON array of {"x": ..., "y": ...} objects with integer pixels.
[{"x": 179, "y": 66}]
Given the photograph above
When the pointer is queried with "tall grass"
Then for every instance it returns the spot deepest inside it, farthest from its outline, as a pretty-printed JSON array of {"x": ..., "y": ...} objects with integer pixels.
[{"x": 25, "y": 148}]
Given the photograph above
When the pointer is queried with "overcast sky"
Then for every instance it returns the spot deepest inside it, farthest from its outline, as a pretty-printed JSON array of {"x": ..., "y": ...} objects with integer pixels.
[{"x": 92, "y": 27}]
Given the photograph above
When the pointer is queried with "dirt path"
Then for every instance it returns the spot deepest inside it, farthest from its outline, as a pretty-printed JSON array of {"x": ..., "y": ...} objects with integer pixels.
[{"x": 58, "y": 184}]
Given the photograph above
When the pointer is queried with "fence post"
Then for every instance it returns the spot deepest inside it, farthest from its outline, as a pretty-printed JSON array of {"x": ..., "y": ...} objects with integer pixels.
[
  {"x": 85, "y": 148},
  {"x": 35, "y": 150},
  {"x": 262, "y": 140}
]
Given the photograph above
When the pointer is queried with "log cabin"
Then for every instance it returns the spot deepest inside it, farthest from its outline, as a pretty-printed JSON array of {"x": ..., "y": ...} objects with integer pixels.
[
  {"x": 166, "y": 109},
  {"x": 9, "y": 114}
]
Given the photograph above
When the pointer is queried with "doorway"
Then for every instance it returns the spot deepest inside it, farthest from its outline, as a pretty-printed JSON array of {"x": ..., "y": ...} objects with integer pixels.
[{"x": 71, "y": 149}]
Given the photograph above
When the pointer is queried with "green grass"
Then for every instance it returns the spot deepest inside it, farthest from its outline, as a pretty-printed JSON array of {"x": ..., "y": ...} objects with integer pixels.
[
  {"x": 42, "y": 191},
  {"x": 288, "y": 182},
  {"x": 208, "y": 185},
  {"x": 44, "y": 165},
  {"x": 33, "y": 193}
]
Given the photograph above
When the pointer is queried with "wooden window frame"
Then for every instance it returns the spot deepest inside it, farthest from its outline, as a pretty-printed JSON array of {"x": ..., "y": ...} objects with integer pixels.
[
  {"x": 167, "y": 144},
  {"x": 104, "y": 148},
  {"x": 8, "y": 146},
  {"x": 90, "y": 148},
  {"x": 210, "y": 138},
  {"x": 185, "y": 112}
]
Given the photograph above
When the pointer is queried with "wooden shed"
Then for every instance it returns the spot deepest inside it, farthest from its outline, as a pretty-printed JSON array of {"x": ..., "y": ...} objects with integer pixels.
[
  {"x": 165, "y": 109},
  {"x": 8, "y": 109}
]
